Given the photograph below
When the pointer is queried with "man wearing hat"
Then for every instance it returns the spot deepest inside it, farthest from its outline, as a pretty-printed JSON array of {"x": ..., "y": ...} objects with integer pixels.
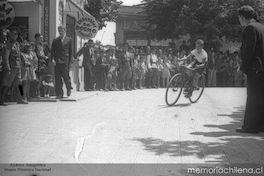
[
  {"x": 125, "y": 66},
  {"x": 11, "y": 66}
]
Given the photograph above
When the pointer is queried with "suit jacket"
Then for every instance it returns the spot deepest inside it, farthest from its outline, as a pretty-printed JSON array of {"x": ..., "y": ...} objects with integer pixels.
[
  {"x": 62, "y": 52},
  {"x": 87, "y": 56},
  {"x": 11, "y": 56},
  {"x": 252, "y": 49}
]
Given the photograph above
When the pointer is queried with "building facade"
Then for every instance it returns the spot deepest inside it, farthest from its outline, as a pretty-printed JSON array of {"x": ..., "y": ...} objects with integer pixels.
[
  {"x": 44, "y": 16},
  {"x": 130, "y": 28}
]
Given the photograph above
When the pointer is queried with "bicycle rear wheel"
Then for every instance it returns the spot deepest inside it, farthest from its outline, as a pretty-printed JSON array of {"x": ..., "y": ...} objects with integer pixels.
[
  {"x": 174, "y": 90},
  {"x": 198, "y": 91}
]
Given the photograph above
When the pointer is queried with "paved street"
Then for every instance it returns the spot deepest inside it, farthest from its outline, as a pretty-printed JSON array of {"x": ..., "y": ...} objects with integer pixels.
[{"x": 130, "y": 127}]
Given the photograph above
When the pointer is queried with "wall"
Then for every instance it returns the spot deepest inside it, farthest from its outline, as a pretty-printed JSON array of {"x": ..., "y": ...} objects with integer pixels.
[{"x": 34, "y": 13}]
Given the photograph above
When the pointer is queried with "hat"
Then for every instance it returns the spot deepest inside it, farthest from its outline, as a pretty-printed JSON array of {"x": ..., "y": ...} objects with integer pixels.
[{"x": 14, "y": 29}]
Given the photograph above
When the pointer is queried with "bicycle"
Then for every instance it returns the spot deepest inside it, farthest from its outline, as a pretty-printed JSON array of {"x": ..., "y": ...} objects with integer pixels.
[{"x": 178, "y": 83}]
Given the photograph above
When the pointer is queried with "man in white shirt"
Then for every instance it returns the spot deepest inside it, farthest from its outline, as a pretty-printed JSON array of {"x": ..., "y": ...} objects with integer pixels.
[
  {"x": 152, "y": 62},
  {"x": 197, "y": 66}
]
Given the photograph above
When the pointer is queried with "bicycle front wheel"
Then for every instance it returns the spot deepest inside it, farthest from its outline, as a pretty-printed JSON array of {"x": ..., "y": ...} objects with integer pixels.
[
  {"x": 198, "y": 90},
  {"x": 174, "y": 90}
]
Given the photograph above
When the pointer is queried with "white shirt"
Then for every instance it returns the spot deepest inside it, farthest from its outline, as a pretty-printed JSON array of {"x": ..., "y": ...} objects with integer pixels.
[
  {"x": 62, "y": 38},
  {"x": 154, "y": 59},
  {"x": 200, "y": 56}
]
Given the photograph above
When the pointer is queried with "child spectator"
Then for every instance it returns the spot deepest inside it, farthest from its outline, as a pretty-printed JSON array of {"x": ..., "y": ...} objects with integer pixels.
[
  {"x": 143, "y": 70},
  {"x": 48, "y": 85},
  {"x": 33, "y": 69},
  {"x": 137, "y": 73},
  {"x": 26, "y": 70}
]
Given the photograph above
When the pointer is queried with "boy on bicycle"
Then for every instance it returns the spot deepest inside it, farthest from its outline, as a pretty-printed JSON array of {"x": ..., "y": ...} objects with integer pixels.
[{"x": 196, "y": 67}]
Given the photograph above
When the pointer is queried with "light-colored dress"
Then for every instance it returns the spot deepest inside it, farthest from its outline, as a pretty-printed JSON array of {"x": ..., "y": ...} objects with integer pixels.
[
  {"x": 26, "y": 64},
  {"x": 34, "y": 65}
]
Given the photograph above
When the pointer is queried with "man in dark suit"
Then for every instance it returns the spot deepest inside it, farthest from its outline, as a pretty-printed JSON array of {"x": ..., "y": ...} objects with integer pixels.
[
  {"x": 61, "y": 54},
  {"x": 88, "y": 53},
  {"x": 252, "y": 55}
]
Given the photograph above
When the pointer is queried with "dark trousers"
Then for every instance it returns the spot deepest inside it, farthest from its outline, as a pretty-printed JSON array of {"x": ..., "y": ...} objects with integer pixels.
[
  {"x": 254, "y": 114},
  {"x": 152, "y": 77},
  {"x": 100, "y": 78},
  {"x": 62, "y": 72},
  {"x": 88, "y": 79}
]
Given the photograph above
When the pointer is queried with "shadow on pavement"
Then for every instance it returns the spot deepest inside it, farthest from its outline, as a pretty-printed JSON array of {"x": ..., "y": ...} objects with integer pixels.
[
  {"x": 182, "y": 105},
  {"x": 223, "y": 143}
]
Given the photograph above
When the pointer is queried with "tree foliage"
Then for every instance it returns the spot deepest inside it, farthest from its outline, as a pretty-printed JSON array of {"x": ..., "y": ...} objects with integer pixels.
[
  {"x": 211, "y": 20},
  {"x": 103, "y": 10}
]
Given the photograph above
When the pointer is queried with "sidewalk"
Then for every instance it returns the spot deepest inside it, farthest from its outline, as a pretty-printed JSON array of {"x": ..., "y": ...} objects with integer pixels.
[
  {"x": 102, "y": 130},
  {"x": 75, "y": 96}
]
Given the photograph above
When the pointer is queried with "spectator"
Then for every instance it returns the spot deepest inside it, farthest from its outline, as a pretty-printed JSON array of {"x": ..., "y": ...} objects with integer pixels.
[
  {"x": 132, "y": 80},
  {"x": 3, "y": 40},
  {"x": 219, "y": 71},
  {"x": 138, "y": 78},
  {"x": 252, "y": 65},
  {"x": 94, "y": 59},
  {"x": 211, "y": 69},
  {"x": 101, "y": 70},
  {"x": 12, "y": 66},
  {"x": 48, "y": 85},
  {"x": 143, "y": 70},
  {"x": 88, "y": 53},
  {"x": 166, "y": 72},
  {"x": 112, "y": 71},
  {"x": 238, "y": 74},
  {"x": 125, "y": 67},
  {"x": 61, "y": 54},
  {"x": 43, "y": 54},
  {"x": 184, "y": 47},
  {"x": 160, "y": 68},
  {"x": 29, "y": 62},
  {"x": 152, "y": 61}
]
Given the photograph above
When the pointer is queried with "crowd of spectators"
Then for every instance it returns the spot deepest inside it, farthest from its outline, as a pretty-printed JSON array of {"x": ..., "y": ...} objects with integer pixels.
[
  {"x": 128, "y": 68},
  {"x": 23, "y": 66},
  {"x": 114, "y": 68}
]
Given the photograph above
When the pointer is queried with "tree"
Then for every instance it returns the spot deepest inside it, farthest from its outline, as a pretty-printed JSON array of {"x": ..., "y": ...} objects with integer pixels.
[
  {"x": 103, "y": 10},
  {"x": 211, "y": 20}
]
